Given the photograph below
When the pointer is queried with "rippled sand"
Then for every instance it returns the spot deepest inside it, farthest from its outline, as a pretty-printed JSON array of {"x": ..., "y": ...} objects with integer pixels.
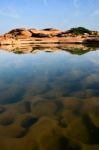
[{"x": 64, "y": 123}]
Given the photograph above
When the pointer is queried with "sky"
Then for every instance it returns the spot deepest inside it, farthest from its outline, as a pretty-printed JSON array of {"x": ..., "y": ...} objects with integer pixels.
[{"x": 62, "y": 14}]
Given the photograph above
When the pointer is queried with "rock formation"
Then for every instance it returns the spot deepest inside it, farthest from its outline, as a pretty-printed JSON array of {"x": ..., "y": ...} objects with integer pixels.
[{"x": 49, "y": 35}]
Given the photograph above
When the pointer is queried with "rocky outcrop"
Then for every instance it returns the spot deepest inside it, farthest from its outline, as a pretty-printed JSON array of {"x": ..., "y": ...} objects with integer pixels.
[
  {"x": 45, "y": 32},
  {"x": 49, "y": 35},
  {"x": 26, "y": 33},
  {"x": 94, "y": 40},
  {"x": 32, "y": 33},
  {"x": 18, "y": 32}
]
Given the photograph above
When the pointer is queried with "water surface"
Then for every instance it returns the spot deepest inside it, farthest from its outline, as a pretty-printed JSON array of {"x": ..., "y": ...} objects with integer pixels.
[{"x": 49, "y": 100}]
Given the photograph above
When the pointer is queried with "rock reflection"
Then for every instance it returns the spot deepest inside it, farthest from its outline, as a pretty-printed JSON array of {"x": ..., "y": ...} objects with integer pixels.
[{"x": 78, "y": 49}]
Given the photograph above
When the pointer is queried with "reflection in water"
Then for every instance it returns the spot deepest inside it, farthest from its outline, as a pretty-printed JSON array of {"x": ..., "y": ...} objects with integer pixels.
[
  {"x": 49, "y": 101},
  {"x": 78, "y": 49}
]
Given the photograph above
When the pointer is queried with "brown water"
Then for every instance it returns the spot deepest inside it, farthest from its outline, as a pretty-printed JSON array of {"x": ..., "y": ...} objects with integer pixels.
[{"x": 49, "y": 101}]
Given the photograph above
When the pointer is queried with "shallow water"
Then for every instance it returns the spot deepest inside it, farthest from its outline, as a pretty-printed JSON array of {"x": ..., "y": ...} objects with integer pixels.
[{"x": 49, "y": 101}]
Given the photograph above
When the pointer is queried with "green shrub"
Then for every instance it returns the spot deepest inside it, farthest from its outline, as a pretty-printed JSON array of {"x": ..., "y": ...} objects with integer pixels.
[{"x": 79, "y": 30}]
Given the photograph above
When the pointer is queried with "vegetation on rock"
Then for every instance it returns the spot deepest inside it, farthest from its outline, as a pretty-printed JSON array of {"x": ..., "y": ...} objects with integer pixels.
[{"x": 79, "y": 30}]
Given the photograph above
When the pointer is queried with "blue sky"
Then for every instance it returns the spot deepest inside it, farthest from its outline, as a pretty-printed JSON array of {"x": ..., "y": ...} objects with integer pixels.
[{"x": 62, "y": 14}]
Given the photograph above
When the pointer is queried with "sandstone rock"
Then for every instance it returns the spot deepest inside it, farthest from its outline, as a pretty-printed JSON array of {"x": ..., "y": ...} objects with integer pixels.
[
  {"x": 85, "y": 35},
  {"x": 62, "y": 34},
  {"x": 39, "y": 33},
  {"x": 94, "y": 40},
  {"x": 18, "y": 32},
  {"x": 9, "y": 35},
  {"x": 51, "y": 31},
  {"x": 33, "y": 30},
  {"x": 49, "y": 35},
  {"x": 98, "y": 33},
  {"x": 26, "y": 33}
]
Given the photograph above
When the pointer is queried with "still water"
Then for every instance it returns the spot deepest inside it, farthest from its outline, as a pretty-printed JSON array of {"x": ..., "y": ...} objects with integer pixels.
[{"x": 49, "y": 101}]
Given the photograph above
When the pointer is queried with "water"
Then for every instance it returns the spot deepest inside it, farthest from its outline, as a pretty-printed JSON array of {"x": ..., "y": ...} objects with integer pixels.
[{"x": 49, "y": 100}]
